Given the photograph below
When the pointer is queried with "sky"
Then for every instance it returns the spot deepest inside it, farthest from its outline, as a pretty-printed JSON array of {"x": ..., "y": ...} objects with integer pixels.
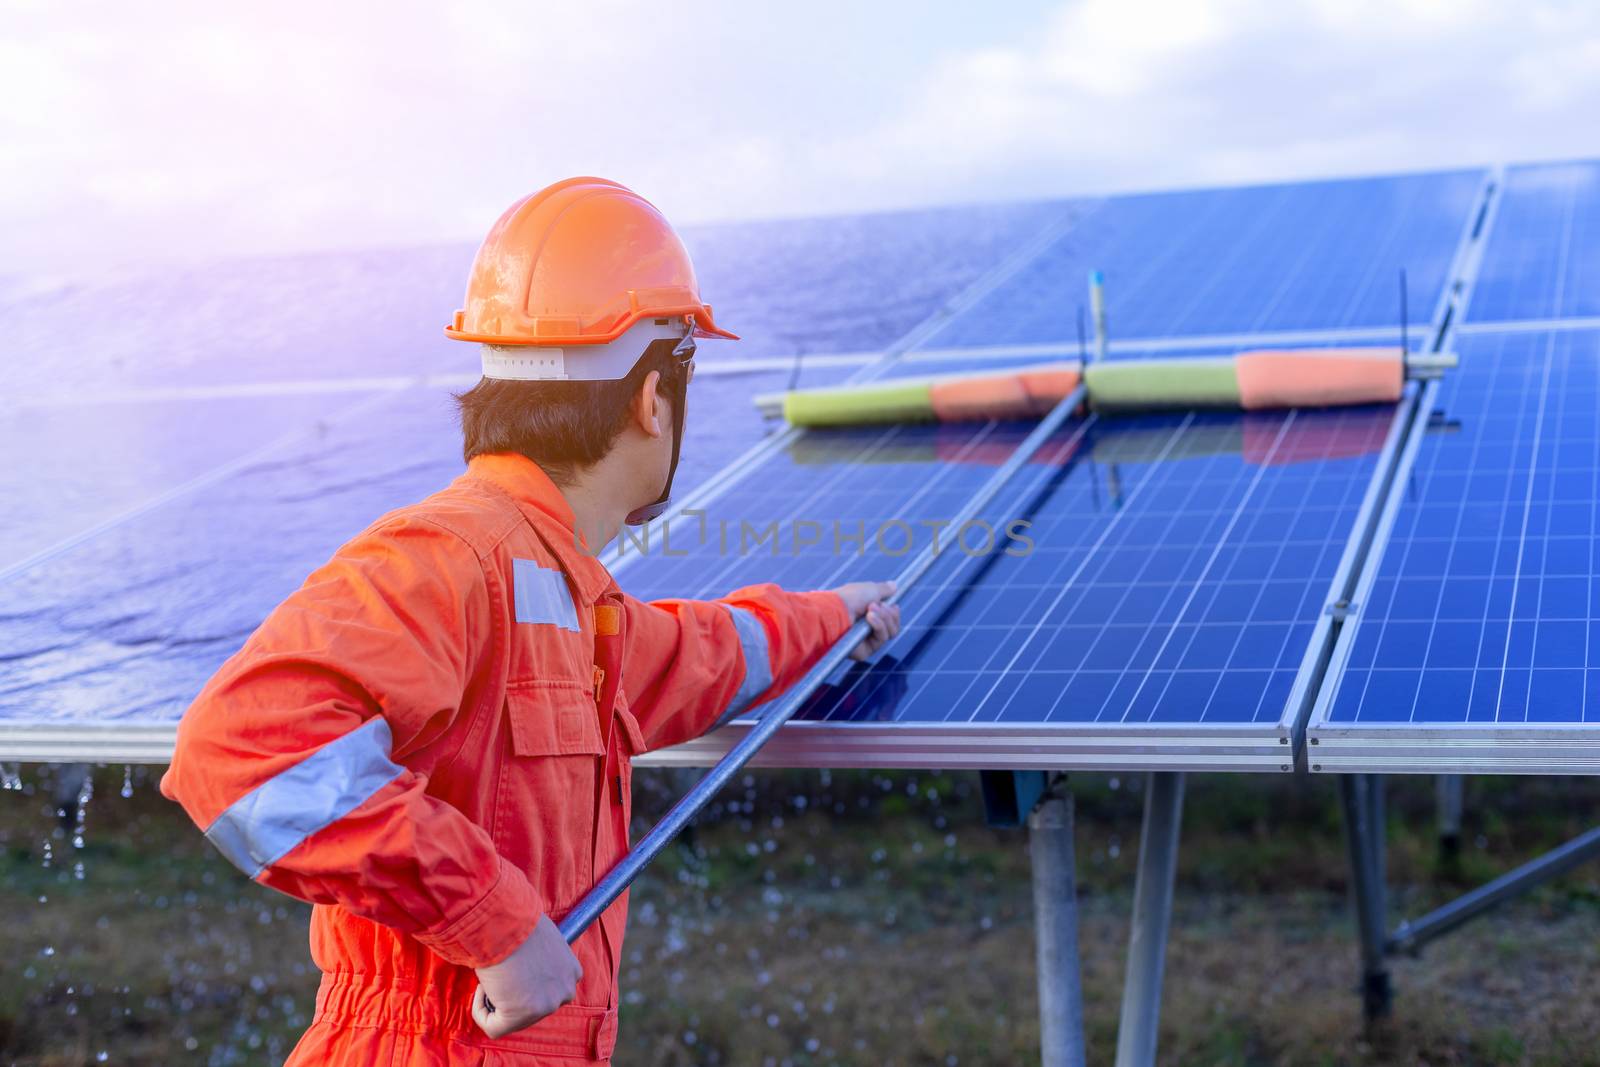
[{"x": 134, "y": 132}]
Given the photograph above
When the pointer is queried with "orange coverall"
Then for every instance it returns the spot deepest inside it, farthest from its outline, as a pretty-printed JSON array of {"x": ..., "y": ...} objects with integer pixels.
[{"x": 430, "y": 741}]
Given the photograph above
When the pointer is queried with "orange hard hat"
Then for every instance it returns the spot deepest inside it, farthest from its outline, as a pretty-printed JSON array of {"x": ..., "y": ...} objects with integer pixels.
[{"x": 578, "y": 263}]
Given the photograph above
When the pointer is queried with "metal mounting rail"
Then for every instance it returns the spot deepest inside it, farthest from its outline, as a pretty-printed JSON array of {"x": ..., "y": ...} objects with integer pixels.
[
  {"x": 782, "y": 710},
  {"x": 1330, "y": 645}
]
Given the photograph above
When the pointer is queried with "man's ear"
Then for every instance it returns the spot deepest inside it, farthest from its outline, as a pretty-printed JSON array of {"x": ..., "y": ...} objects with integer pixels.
[{"x": 647, "y": 406}]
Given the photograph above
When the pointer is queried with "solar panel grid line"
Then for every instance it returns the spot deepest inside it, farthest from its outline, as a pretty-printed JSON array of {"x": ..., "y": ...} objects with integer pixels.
[
  {"x": 1155, "y": 267},
  {"x": 1168, "y": 474},
  {"x": 1522, "y": 534},
  {"x": 1404, "y": 559},
  {"x": 1281, "y": 546},
  {"x": 717, "y": 579},
  {"x": 1278, "y": 546},
  {"x": 981, "y": 287},
  {"x": 949, "y": 583},
  {"x": 1194, "y": 589},
  {"x": 1377, "y": 260},
  {"x": 731, "y": 475},
  {"x": 1069, "y": 584},
  {"x": 1167, "y": 587},
  {"x": 1260, "y": 224}
]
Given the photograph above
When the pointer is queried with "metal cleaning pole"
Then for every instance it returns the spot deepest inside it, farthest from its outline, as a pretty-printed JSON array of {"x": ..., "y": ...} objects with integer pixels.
[
  {"x": 619, "y": 877},
  {"x": 1055, "y": 920},
  {"x": 1152, "y": 916}
]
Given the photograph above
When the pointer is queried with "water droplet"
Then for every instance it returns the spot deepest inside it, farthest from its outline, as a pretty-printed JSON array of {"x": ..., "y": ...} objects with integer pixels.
[
  {"x": 85, "y": 794},
  {"x": 127, "y": 781},
  {"x": 48, "y": 951},
  {"x": 11, "y": 775}
]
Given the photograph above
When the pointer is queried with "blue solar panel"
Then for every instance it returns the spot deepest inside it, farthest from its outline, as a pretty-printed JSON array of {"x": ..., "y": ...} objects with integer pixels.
[
  {"x": 1321, "y": 255},
  {"x": 76, "y": 465},
  {"x": 1543, "y": 259},
  {"x": 1486, "y": 606}
]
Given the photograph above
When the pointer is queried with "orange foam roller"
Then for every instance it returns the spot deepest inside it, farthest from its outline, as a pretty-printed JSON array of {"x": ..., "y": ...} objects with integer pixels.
[
  {"x": 1325, "y": 377},
  {"x": 1016, "y": 395}
]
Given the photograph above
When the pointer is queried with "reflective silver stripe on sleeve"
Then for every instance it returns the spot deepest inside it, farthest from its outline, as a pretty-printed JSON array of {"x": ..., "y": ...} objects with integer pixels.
[
  {"x": 271, "y": 820},
  {"x": 757, "y": 661},
  {"x": 541, "y": 595}
]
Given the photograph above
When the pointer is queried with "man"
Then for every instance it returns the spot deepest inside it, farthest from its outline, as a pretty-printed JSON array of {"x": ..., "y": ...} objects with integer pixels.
[{"x": 431, "y": 739}]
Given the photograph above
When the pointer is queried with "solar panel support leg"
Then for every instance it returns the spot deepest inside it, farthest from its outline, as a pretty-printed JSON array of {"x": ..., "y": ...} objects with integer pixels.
[
  {"x": 1152, "y": 916},
  {"x": 1055, "y": 920},
  {"x": 1362, "y": 799},
  {"x": 1448, "y": 790}
]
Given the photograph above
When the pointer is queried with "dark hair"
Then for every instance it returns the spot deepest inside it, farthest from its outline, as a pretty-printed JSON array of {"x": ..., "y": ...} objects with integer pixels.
[{"x": 563, "y": 426}]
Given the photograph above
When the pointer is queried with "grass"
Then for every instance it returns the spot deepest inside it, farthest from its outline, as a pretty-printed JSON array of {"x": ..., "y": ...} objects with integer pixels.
[{"x": 820, "y": 918}]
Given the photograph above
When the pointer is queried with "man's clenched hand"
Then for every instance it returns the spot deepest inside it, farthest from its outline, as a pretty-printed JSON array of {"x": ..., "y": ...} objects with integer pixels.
[
  {"x": 535, "y": 980},
  {"x": 865, "y": 600}
]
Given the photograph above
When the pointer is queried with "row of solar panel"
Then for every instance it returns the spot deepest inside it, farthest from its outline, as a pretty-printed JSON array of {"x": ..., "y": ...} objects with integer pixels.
[{"x": 1175, "y": 566}]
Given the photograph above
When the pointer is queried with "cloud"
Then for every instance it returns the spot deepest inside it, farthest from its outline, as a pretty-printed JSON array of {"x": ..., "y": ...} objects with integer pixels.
[
  {"x": 1120, "y": 94},
  {"x": 257, "y": 126}
]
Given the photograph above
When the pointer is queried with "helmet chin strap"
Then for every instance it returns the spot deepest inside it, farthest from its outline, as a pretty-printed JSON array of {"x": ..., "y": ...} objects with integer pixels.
[{"x": 680, "y": 400}]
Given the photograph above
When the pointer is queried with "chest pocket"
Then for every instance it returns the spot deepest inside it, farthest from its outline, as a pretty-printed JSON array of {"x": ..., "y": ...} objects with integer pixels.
[{"x": 545, "y": 817}]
